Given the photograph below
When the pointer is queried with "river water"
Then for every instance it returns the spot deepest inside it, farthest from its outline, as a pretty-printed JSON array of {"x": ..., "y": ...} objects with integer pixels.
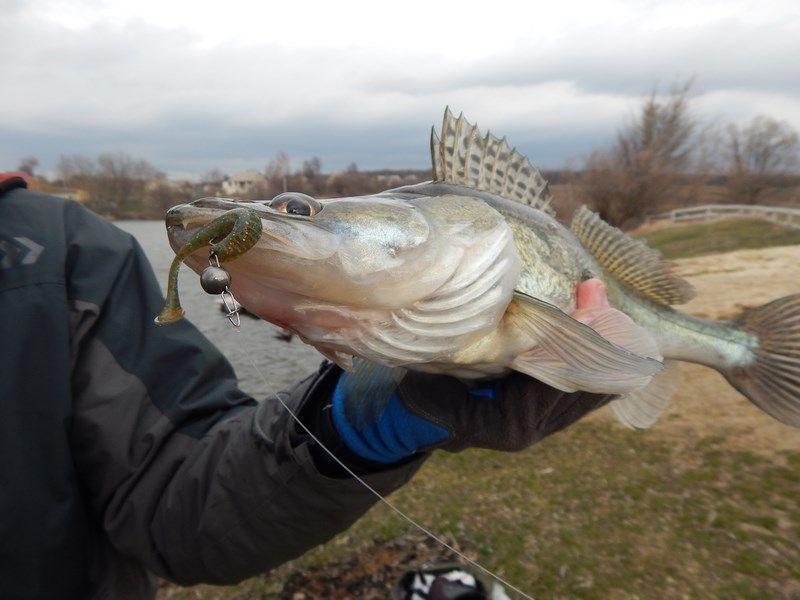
[{"x": 280, "y": 362}]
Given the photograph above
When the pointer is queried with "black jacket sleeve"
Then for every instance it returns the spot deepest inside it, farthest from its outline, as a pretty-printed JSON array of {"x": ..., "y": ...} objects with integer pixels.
[{"x": 189, "y": 475}]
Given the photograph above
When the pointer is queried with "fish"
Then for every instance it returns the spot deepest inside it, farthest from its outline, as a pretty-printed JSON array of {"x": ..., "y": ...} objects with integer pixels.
[{"x": 472, "y": 275}]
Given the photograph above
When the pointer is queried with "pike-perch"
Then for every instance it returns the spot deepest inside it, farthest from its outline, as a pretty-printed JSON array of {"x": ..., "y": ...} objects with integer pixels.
[{"x": 471, "y": 275}]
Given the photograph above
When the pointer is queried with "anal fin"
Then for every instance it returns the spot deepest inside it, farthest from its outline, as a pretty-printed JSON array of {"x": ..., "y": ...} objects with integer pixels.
[{"x": 642, "y": 408}]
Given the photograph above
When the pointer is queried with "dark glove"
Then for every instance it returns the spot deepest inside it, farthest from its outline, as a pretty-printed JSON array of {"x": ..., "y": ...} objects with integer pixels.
[
  {"x": 430, "y": 411},
  {"x": 510, "y": 415},
  {"x": 433, "y": 411}
]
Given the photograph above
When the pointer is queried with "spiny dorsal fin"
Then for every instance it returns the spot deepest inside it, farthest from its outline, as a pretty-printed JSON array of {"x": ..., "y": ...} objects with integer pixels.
[
  {"x": 630, "y": 261},
  {"x": 463, "y": 156}
]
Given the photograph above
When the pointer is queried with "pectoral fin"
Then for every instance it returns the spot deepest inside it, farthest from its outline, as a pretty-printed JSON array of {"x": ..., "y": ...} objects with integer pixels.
[
  {"x": 618, "y": 328},
  {"x": 571, "y": 355},
  {"x": 342, "y": 360},
  {"x": 368, "y": 387}
]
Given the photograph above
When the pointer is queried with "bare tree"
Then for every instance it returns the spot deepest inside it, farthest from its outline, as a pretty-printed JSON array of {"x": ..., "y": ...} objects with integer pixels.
[
  {"x": 115, "y": 183},
  {"x": 312, "y": 167},
  {"x": 277, "y": 172},
  {"x": 124, "y": 180},
  {"x": 645, "y": 164},
  {"x": 309, "y": 180},
  {"x": 75, "y": 170},
  {"x": 213, "y": 177},
  {"x": 352, "y": 182},
  {"x": 758, "y": 155},
  {"x": 161, "y": 195},
  {"x": 211, "y": 182},
  {"x": 28, "y": 165}
]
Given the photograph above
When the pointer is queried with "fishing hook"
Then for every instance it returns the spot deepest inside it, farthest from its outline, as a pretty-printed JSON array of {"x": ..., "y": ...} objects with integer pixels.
[{"x": 216, "y": 280}]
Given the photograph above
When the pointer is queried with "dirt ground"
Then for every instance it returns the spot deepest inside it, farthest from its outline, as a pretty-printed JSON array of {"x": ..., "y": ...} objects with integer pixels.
[{"x": 705, "y": 403}]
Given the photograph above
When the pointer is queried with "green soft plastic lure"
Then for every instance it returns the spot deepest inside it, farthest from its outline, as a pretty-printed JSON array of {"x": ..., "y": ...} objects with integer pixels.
[{"x": 238, "y": 230}]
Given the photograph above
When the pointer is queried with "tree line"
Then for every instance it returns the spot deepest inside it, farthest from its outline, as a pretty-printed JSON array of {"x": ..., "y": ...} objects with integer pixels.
[
  {"x": 310, "y": 179},
  {"x": 121, "y": 186}
]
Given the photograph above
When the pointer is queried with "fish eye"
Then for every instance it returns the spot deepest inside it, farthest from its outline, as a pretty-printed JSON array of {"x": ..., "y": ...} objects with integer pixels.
[{"x": 295, "y": 203}]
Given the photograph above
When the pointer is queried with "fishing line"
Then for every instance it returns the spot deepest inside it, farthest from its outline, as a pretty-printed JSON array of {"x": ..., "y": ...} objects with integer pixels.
[{"x": 376, "y": 493}]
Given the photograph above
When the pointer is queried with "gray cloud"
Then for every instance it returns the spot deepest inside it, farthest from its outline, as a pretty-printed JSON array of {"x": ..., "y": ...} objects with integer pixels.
[
  {"x": 730, "y": 54},
  {"x": 185, "y": 105}
]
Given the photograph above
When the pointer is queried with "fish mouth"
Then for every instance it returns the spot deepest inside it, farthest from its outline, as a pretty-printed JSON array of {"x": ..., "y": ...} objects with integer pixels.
[
  {"x": 269, "y": 279},
  {"x": 295, "y": 235},
  {"x": 183, "y": 220},
  {"x": 285, "y": 239}
]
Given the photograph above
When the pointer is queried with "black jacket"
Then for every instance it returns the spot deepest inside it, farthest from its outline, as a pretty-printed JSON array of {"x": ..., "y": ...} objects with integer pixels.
[{"x": 126, "y": 449}]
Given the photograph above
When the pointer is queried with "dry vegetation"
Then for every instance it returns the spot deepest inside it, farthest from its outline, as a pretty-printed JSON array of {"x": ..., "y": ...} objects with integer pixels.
[
  {"x": 704, "y": 505},
  {"x": 665, "y": 156}
]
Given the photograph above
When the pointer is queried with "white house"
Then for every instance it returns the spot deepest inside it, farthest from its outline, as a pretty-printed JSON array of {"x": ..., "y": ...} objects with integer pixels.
[{"x": 243, "y": 182}]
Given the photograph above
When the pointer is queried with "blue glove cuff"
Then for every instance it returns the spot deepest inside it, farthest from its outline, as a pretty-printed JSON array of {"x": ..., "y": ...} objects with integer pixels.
[{"x": 396, "y": 434}]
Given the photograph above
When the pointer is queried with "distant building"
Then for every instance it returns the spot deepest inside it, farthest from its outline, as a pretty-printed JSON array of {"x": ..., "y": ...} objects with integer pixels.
[{"x": 243, "y": 182}]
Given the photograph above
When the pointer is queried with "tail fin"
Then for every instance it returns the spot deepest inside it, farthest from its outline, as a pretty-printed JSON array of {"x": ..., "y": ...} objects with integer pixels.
[{"x": 772, "y": 380}]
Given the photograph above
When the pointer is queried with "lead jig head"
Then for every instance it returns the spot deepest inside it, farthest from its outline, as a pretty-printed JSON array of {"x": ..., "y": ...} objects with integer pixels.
[{"x": 214, "y": 280}]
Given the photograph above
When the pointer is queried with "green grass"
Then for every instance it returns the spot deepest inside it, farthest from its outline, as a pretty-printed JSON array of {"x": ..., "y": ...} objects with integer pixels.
[
  {"x": 684, "y": 241},
  {"x": 598, "y": 512},
  {"x": 602, "y": 512}
]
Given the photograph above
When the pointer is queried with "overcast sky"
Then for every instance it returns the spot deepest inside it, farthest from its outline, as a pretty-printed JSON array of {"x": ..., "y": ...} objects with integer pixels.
[{"x": 190, "y": 85}]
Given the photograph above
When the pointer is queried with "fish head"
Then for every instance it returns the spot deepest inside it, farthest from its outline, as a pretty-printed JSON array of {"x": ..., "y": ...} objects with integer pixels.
[{"x": 329, "y": 259}]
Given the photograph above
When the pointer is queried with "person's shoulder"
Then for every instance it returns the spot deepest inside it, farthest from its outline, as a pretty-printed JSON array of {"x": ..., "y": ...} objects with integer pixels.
[
  {"x": 25, "y": 201},
  {"x": 63, "y": 220},
  {"x": 95, "y": 234},
  {"x": 32, "y": 239},
  {"x": 31, "y": 215}
]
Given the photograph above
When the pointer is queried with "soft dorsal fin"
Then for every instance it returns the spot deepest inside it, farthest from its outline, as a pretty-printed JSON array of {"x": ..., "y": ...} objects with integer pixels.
[
  {"x": 630, "y": 261},
  {"x": 463, "y": 156}
]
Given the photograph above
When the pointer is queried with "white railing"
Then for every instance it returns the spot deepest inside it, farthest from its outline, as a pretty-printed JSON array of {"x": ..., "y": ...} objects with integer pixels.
[{"x": 790, "y": 217}]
